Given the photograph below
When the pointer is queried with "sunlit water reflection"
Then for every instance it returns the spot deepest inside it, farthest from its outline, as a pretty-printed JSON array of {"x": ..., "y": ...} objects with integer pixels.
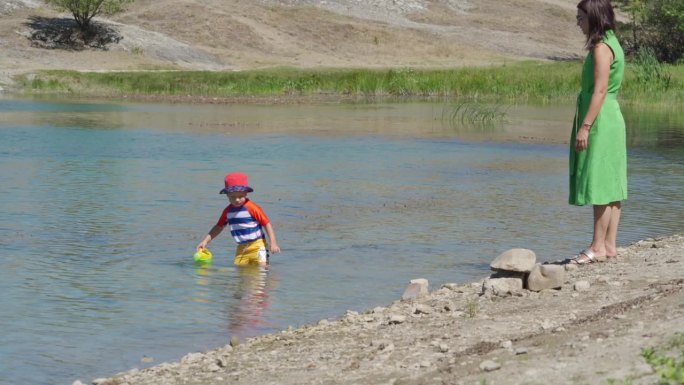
[{"x": 102, "y": 204}]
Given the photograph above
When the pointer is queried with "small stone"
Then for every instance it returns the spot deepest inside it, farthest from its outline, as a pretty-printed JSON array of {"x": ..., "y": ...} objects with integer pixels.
[
  {"x": 234, "y": 341},
  {"x": 489, "y": 366},
  {"x": 521, "y": 350},
  {"x": 416, "y": 289},
  {"x": 602, "y": 279},
  {"x": 192, "y": 358},
  {"x": 546, "y": 324},
  {"x": 386, "y": 346},
  {"x": 451, "y": 286},
  {"x": 397, "y": 319},
  {"x": 422, "y": 309},
  {"x": 323, "y": 322},
  {"x": 582, "y": 286}
]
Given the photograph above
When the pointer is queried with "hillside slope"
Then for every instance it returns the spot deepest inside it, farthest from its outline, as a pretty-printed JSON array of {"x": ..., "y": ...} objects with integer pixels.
[{"x": 233, "y": 34}]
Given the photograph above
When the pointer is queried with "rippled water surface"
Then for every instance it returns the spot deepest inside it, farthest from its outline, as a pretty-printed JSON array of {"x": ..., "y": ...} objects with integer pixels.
[{"x": 102, "y": 204}]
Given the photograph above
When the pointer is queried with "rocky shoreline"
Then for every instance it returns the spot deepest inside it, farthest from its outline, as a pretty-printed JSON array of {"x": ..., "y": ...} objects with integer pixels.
[{"x": 591, "y": 330}]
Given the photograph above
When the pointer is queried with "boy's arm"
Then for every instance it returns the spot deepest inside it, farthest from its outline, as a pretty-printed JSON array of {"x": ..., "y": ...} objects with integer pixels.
[
  {"x": 272, "y": 242},
  {"x": 213, "y": 233},
  {"x": 257, "y": 213}
]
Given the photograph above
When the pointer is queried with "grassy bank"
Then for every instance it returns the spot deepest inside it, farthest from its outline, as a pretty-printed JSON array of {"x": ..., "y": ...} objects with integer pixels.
[{"x": 528, "y": 81}]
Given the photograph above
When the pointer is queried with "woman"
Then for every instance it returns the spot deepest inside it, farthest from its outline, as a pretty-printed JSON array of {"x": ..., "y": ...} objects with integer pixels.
[{"x": 598, "y": 151}]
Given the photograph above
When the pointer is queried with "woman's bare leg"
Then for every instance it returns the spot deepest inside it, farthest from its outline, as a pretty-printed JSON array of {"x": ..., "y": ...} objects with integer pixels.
[
  {"x": 602, "y": 219},
  {"x": 611, "y": 233},
  {"x": 603, "y": 244}
]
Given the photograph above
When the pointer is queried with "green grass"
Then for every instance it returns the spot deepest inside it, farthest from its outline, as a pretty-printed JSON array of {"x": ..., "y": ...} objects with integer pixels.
[
  {"x": 668, "y": 362},
  {"x": 474, "y": 114},
  {"x": 526, "y": 81}
]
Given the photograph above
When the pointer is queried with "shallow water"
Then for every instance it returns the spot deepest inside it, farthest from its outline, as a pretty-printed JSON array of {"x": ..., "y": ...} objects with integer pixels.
[{"x": 102, "y": 205}]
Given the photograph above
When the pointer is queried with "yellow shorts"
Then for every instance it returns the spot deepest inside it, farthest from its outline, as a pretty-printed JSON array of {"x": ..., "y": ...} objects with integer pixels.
[{"x": 253, "y": 253}]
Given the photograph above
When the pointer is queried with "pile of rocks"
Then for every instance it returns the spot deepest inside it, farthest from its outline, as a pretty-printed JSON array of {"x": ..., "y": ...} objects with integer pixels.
[{"x": 517, "y": 270}]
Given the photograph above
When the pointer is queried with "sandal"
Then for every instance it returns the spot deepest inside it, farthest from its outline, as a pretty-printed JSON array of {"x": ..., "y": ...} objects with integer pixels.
[{"x": 584, "y": 257}]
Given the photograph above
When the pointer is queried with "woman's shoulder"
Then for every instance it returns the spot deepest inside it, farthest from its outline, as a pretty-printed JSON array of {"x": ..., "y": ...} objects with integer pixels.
[
  {"x": 611, "y": 41},
  {"x": 610, "y": 38}
]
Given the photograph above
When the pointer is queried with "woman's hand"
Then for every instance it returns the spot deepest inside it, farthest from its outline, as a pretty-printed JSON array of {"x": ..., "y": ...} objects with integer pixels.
[{"x": 582, "y": 139}]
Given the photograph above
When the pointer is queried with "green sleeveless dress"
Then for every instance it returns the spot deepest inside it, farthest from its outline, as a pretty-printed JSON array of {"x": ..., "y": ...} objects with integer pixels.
[{"x": 598, "y": 175}]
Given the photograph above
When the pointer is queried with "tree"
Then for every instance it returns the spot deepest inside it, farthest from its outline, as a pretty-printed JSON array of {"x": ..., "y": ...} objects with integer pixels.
[
  {"x": 84, "y": 10},
  {"x": 657, "y": 25},
  {"x": 636, "y": 9},
  {"x": 666, "y": 24}
]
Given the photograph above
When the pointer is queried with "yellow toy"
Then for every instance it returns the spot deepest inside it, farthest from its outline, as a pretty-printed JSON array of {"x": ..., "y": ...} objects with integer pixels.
[{"x": 202, "y": 256}]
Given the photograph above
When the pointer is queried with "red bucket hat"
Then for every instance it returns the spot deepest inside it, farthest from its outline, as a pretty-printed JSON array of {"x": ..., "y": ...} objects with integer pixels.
[{"x": 236, "y": 181}]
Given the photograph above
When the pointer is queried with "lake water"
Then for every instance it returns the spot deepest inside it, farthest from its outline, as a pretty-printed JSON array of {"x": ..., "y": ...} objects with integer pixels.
[{"x": 102, "y": 204}]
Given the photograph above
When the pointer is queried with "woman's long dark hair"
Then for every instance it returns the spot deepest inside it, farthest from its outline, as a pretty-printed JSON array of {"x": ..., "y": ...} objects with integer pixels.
[{"x": 600, "y": 17}]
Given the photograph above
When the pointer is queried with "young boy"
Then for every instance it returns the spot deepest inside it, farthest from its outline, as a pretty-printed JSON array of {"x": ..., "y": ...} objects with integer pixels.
[{"x": 247, "y": 223}]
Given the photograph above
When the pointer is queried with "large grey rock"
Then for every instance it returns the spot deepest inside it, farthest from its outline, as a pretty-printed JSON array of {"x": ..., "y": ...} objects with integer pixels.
[
  {"x": 546, "y": 277},
  {"x": 521, "y": 260},
  {"x": 417, "y": 288}
]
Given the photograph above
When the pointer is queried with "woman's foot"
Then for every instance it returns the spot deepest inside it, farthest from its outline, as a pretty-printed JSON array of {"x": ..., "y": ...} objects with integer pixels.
[{"x": 585, "y": 257}]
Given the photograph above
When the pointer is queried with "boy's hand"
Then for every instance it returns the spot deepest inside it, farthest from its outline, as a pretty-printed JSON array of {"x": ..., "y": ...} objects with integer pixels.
[{"x": 274, "y": 248}]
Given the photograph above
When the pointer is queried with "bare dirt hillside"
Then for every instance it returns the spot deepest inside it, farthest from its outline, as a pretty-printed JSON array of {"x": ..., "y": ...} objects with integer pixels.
[{"x": 235, "y": 34}]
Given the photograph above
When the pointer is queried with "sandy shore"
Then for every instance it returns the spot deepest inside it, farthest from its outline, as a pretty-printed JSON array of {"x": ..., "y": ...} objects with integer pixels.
[{"x": 459, "y": 335}]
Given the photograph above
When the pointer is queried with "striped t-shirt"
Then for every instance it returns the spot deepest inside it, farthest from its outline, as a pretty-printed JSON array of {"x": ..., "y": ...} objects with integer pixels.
[{"x": 245, "y": 222}]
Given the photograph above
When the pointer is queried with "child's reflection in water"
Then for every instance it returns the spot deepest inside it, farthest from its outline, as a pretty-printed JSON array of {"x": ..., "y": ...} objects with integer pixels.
[{"x": 251, "y": 295}]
